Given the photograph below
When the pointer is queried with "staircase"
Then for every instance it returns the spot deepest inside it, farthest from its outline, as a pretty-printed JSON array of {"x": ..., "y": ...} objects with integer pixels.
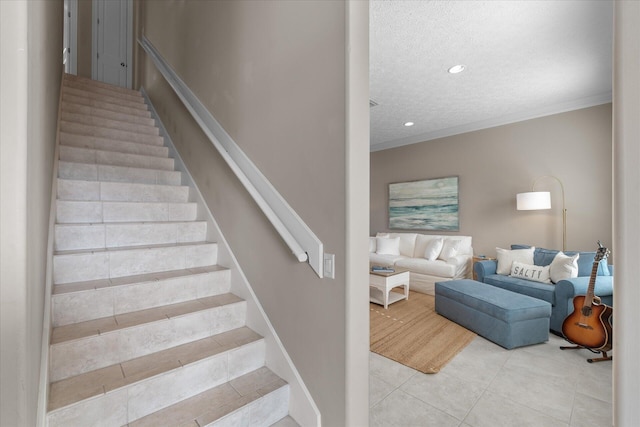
[{"x": 145, "y": 329}]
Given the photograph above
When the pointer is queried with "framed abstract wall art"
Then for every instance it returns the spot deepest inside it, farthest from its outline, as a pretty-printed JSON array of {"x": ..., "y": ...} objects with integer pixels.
[{"x": 430, "y": 204}]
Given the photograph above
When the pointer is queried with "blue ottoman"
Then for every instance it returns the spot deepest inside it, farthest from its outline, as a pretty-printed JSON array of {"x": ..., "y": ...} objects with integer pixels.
[{"x": 507, "y": 318}]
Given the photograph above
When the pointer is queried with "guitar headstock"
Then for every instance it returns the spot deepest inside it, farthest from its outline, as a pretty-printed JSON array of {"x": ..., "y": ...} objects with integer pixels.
[{"x": 602, "y": 253}]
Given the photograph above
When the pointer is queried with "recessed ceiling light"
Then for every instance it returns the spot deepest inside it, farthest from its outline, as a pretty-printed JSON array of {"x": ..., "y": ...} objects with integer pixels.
[
  {"x": 408, "y": 124},
  {"x": 456, "y": 69}
]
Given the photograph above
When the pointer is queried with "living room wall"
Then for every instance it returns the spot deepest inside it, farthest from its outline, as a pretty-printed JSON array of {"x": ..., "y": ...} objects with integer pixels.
[{"x": 495, "y": 164}]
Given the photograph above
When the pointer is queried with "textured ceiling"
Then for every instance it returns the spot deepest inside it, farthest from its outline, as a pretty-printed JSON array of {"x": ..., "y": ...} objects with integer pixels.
[{"x": 523, "y": 58}]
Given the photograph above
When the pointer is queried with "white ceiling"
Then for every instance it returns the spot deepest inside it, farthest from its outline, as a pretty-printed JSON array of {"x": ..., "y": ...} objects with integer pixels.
[{"x": 523, "y": 58}]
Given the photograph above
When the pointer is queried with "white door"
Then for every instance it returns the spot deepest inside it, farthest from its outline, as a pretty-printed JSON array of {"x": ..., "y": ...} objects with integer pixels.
[
  {"x": 112, "y": 42},
  {"x": 69, "y": 53}
]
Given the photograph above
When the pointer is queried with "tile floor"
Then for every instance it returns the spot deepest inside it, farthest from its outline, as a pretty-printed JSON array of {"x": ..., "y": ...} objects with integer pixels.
[{"x": 488, "y": 386}]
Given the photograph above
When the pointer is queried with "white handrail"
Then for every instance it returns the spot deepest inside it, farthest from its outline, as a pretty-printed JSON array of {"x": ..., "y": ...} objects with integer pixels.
[{"x": 297, "y": 235}]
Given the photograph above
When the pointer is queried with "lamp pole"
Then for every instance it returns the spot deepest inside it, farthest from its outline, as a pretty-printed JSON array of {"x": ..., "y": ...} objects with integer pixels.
[{"x": 564, "y": 209}]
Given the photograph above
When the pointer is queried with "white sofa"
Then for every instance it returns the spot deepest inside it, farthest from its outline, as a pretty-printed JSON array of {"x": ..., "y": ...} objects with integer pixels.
[{"x": 449, "y": 257}]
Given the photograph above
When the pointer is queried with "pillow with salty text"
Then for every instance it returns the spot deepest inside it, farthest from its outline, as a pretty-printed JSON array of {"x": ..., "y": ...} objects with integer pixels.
[
  {"x": 433, "y": 249},
  {"x": 536, "y": 273},
  {"x": 564, "y": 267},
  {"x": 388, "y": 245},
  {"x": 506, "y": 258}
]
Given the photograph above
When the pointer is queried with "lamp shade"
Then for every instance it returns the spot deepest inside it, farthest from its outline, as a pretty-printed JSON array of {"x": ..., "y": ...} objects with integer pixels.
[{"x": 533, "y": 200}]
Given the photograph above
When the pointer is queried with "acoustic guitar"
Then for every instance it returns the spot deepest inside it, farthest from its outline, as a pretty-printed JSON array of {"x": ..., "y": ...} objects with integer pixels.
[{"x": 589, "y": 326}]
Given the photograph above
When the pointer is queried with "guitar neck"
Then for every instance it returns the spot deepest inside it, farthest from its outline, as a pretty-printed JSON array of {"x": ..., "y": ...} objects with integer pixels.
[{"x": 592, "y": 283}]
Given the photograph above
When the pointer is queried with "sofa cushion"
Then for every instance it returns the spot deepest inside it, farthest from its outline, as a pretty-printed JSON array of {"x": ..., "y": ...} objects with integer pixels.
[
  {"x": 543, "y": 291},
  {"x": 388, "y": 245},
  {"x": 424, "y": 266},
  {"x": 390, "y": 260},
  {"x": 507, "y": 257}
]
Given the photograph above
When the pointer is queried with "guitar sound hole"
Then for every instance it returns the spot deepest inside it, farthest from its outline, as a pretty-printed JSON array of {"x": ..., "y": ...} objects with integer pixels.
[{"x": 586, "y": 311}]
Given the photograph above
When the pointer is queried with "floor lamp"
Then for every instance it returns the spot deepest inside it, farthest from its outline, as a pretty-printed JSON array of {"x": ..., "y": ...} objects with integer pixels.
[{"x": 536, "y": 200}]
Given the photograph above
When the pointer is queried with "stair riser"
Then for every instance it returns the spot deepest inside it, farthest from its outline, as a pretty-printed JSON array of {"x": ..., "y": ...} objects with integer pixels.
[
  {"x": 86, "y": 212},
  {"x": 108, "y": 123},
  {"x": 95, "y": 83},
  {"x": 86, "y": 155},
  {"x": 100, "y": 236},
  {"x": 125, "y": 405},
  {"x": 102, "y": 144},
  {"x": 74, "y": 307},
  {"x": 120, "y": 192},
  {"x": 88, "y": 172},
  {"x": 80, "y": 100},
  {"x": 80, "y": 267},
  {"x": 137, "y": 104},
  {"x": 109, "y": 348},
  {"x": 106, "y": 114},
  {"x": 102, "y": 91},
  {"x": 264, "y": 411},
  {"x": 88, "y": 130}
]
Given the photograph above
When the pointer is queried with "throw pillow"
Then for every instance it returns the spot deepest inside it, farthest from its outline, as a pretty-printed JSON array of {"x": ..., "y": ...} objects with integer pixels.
[
  {"x": 388, "y": 245},
  {"x": 449, "y": 249},
  {"x": 506, "y": 258},
  {"x": 536, "y": 273},
  {"x": 564, "y": 267},
  {"x": 433, "y": 249},
  {"x": 372, "y": 244}
]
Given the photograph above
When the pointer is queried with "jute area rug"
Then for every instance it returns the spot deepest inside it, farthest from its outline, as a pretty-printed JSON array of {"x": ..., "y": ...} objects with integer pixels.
[{"x": 412, "y": 333}]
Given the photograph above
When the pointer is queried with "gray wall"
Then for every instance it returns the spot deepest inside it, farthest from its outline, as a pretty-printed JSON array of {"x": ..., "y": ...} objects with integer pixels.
[
  {"x": 495, "y": 164},
  {"x": 274, "y": 75},
  {"x": 31, "y": 67}
]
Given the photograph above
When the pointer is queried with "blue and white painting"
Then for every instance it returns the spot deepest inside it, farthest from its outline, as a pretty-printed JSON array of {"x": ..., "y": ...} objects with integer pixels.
[{"x": 430, "y": 204}]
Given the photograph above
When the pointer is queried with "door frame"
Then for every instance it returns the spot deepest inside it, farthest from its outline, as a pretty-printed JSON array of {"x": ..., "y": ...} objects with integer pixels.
[
  {"x": 71, "y": 14},
  {"x": 94, "y": 40}
]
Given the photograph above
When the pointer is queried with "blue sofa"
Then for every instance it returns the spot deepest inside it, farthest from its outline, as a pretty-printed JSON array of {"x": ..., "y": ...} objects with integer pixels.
[{"x": 561, "y": 294}]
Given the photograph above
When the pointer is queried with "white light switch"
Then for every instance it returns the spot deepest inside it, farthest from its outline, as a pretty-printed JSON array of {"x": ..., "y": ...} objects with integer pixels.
[{"x": 329, "y": 266}]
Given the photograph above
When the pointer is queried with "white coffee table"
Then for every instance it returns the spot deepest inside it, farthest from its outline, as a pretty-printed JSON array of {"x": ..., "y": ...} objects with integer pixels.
[{"x": 380, "y": 285}]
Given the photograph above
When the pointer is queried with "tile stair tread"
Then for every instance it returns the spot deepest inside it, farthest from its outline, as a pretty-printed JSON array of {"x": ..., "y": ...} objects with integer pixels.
[
  {"x": 88, "y": 81},
  {"x": 105, "y": 105},
  {"x": 90, "y": 130},
  {"x": 130, "y": 207},
  {"x": 102, "y": 140},
  {"x": 115, "y": 99},
  {"x": 65, "y": 288},
  {"x": 101, "y": 381},
  {"x": 78, "y": 117},
  {"x": 108, "y": 152},
  {"x": 87, "y": 224},
  {"x": 105, "y": 325},
  {"x": 215, "y": 403},
  {"x": 108, "y": 114},
  {"x": 113, "y": 184},
  {"x": 120, "y": 168},
  {"x": 128, "y": 248},
  {"x": 70, "y": 140},
  {"x": 106, "y": 240},
  {"x": 108, "y": 91}
]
